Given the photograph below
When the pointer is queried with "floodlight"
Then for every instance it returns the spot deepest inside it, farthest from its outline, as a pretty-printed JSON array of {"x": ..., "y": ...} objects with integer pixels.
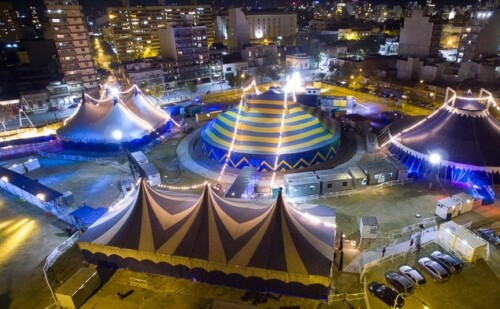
[
  {"x": 114, "y": 91},
  {"x": 293, "y": 82},
  {"x": 435, "y": 158},
  {"x": 41, "y": 197},
  {"x": 117, "y": 134}
]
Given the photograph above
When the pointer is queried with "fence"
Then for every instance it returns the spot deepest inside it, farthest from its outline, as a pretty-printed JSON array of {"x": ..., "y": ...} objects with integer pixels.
[
  {"x": 81, "y": 158},
  {"x": 17, "y": 149},
  {"x": 375, "y": 188},
  {"x": 51, "y": 259}
]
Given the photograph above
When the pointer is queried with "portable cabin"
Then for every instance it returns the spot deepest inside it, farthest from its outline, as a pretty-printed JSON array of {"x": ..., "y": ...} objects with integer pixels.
[
  {"x": 358, "y": 177},
  {"x": 301, "y": 184},
  {"x": 379, "y": 171},
  {"x": 32, "y": 164},
  {"x": 368, "y": 227},
  {"x": 447, "y": 208},
  {"x": 402, "y": 170},
  {"x": 332, "y": 180},
  {"x": 466, "y": 201},
  {"x": 357, "y": 121},
  {"x": 140, "y": 157},
  {"x": 460, "y": 240},
  {"x": 79, "y": 287},
  {"x": 151, "y": 173}
]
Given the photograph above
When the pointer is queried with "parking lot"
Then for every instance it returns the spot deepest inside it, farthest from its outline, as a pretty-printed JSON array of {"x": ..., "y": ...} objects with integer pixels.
[{"x": 477, "y": 286}]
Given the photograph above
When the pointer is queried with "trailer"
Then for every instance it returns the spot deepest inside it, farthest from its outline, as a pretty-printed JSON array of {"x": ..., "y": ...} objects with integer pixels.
[
  {"x": 140, "y": 157},
  {"x": 301, "y": 184},
  {"x": 402, "y": 170},
  {"x": 332, "y": 180},
  {"x": 466, "y": 201},
  {"x": 460, "y": 240},
  {"x": 358, "y": 177},
  {"x": 448, "y": 208},
  {"x": 378, "y": 171}
]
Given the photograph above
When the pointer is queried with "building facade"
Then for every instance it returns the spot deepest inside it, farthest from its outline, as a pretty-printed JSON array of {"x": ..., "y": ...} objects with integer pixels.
[
  {"x": 71, "y": 37},
  {"x": 419, "y": 36},
  {"x": 187, "y": 46},
  {"x": 144, "y": 73},
  {"x": 9, "y": 24},
  {"x": 135, "y": 29}
]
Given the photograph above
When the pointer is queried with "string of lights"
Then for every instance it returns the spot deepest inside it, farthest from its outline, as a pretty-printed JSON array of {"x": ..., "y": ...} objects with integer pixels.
[
  {"x": 184, "y": 188},
  {"x": 235, "y": 131}
]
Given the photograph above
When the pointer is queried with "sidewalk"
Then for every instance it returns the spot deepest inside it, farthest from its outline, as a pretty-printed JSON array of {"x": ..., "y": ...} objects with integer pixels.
[{"x": 356, "y": 266}]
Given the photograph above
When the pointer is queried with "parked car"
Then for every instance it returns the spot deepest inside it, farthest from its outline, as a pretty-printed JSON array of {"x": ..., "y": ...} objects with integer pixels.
[
  {"x": 411, "y": 273},
  {"x": 447, "y": 260},
  {"x": 400, "y": 282},
  {"x": 490, "y": 235},
  {"x": 433, "y": 268},
  {"x": 74, "y": 105},
  {"x": 386, "y": 294}
]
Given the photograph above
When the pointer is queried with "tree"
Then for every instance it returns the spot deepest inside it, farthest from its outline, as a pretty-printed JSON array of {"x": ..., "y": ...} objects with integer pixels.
[
  {"x": 191, "y": 86},
  {"x": 261, "y": 72},
  {"x": 6, "y": 113},
  {"x": 54, "y": 110},
  {"x": 349, "y": 69},
  {"x": 231, "y": 80},
  {"x": 156, "y": 91},
  {"x": 273, "y": 73},
  {"x": 333, "y": 67},
  {"x": 321, "y": 75},
  {"x": 355, "y": 82}
]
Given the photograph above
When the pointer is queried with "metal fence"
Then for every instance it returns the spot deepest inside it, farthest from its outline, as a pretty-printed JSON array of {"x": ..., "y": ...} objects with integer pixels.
[
  {"x": 81, "y": 158},
  {"x": 51, "y": 259}
]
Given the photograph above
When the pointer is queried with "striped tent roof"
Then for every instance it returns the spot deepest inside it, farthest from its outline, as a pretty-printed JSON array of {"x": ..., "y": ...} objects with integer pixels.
[
  {"x": 142, "y": 107},
  {"x": 269, "y": 240},
  {"x": 97, "y": 123},
  {"x": 259, "y": 127}
]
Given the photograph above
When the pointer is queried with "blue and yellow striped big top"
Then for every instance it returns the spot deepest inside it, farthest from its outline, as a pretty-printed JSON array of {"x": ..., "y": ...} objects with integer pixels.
[{"x": 308, "y": 138}]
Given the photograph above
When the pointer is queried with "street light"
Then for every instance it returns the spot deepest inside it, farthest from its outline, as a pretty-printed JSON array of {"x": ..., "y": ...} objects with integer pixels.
[{"x": 435, "y": 159}]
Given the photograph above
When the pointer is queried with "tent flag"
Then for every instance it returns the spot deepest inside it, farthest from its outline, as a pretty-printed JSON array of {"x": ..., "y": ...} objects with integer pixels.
[{"x": 209, "y": 236}]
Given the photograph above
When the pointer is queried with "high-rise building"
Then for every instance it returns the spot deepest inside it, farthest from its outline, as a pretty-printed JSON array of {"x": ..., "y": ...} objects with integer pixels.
[
  {"x": 135, "y": 29},
  {"x": 187, "y": 46},
  {"x": 9, "y": 25},
  {"x": 71, "y": 37},
  {"x": 419, "y": 37}
]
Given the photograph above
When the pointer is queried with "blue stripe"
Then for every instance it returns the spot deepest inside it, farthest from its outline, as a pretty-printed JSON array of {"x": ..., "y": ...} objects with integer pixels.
[
  {"x": 264, "y": 134},
  {"x": 272, "y": 144},
  {"x": 264, "y": 116}
]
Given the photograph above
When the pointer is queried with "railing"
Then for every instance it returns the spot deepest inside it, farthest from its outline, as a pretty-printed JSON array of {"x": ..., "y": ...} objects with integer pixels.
[
  {"x": 52, "y": 257},
  {"x": 81, "y": 158}
]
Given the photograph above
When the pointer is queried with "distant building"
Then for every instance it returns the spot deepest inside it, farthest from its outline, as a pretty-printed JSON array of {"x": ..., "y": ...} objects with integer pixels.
[
  {"x": 135, "y": 29},
  {"x": 238, "y": 27},
  {"x": 480, "y": 37},
  {"x": 144, "y": 73},
  {"x": 299, "y": 61},
  {"x": 67, "y": 21},
  {"x": 187, "y": 46},
  {"x": 9, "y": 24},
  {"x": 55, "y": 95},
  {"x": 260, "y": 55},
  {"x": 419, "y": 37},
  {"x": 390, "y": 48}
]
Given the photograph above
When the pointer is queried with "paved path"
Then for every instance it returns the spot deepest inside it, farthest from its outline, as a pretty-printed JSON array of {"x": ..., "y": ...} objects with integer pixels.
[{"x": 356, "y": 266}]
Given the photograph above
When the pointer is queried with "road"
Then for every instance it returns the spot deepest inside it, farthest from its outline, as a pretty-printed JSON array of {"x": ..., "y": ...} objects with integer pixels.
[{"x": 39, "y": 119}]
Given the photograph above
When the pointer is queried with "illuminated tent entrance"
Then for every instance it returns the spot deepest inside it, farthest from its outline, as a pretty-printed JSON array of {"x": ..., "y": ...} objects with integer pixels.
[{"x": 255, "y": 245}]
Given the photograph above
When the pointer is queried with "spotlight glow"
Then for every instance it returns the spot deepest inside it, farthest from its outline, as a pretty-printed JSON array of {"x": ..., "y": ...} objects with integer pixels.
[
  {"x": 117, "y": 134},
  {"x": 435, "y": 158},
  {"x": 114, "y": 92}
]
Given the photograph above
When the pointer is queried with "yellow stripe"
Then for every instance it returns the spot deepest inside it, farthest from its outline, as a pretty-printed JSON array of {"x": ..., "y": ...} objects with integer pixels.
[
  {"x": 252, "y": 138},
  {"x": 246, "y": 127}
]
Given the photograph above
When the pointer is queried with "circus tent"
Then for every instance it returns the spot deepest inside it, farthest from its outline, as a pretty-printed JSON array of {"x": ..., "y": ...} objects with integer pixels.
[
  {"x": 461, "y": 134},
  {"x": 253, "y": 134},
  {"x": 112, "y": 123},
  {"x": 268, "y": 246}
]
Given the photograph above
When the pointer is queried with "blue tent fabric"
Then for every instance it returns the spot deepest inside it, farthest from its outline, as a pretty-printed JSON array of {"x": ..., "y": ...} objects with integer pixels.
[{"x": 87, "y": 215}]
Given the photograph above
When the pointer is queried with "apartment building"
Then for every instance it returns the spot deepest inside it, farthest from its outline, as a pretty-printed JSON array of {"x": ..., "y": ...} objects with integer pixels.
[
  {"x": 135, "y": 29},
  {"x": 71, "y": 37},
  {"x": 9, "y": 24},
  {"x": 187, "y": 46}
]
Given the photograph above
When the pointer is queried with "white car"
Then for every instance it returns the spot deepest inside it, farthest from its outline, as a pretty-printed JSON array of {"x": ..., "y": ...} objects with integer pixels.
[{"x": 411, "y": 273}]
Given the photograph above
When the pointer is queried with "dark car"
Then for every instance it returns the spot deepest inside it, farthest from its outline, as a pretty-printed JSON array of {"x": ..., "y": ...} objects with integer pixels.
[
  {"x": 74, "y": 105},
  {"x": 447, "y": 261},
  {"x": 386, "y": 294},
  {"x": 399, "y": 282},
  {"x": 490, "y": 235},
  {"x": 411, "y": 273},
  {"x": 433, "y": 268}
]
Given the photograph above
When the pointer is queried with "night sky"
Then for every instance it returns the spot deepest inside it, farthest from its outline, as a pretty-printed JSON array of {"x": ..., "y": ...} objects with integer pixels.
[{"x": 100, "y": 5}]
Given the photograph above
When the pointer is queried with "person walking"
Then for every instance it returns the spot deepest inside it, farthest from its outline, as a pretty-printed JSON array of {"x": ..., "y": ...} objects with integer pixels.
[{"x": 383, "y": 252}]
